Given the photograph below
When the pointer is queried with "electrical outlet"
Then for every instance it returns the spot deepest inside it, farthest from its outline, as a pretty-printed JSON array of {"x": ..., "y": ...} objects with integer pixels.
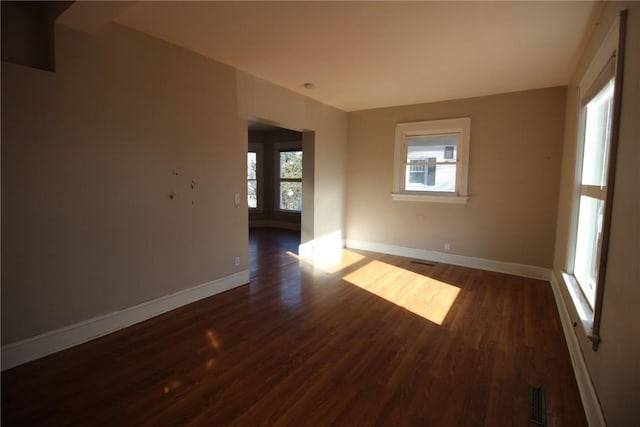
[
  {"x": 236, "y": 199},
  {"x": 237, "y": 260},
  {"x": 447, "y": 247}
]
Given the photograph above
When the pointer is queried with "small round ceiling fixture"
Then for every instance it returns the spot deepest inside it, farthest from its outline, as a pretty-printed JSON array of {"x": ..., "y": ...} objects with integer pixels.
[{"x": 309, "y": 85}]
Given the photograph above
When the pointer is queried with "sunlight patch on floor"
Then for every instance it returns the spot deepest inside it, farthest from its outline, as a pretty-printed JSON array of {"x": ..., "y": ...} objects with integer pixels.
[
  {"x": 171, "y": 386},
  {"x": 215, "y": 348},
  {"x": 334, "y": 261},
  {"x": 422, "y": 295}
]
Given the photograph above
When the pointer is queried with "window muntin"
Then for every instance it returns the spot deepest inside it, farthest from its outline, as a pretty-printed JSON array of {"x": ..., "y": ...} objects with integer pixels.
[
  {"x": 290, "y": 180},
  {"x": 597, "y": 137},
  {"x": 431, "y": 161}
]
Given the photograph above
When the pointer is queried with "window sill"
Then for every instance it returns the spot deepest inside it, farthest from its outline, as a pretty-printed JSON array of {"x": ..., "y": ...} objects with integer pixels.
[
  {"x": 411, "y": 197},
  {"x": 584, "y": 310}
]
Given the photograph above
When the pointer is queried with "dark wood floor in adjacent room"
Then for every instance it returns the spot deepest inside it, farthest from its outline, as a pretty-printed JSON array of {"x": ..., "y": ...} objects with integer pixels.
[{"x": 366, "y": 339}]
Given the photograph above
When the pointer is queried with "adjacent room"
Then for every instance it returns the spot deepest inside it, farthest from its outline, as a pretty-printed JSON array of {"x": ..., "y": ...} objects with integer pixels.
[
  {"x": 320, "y": 213},
  {"x": 274, "y": 195}
]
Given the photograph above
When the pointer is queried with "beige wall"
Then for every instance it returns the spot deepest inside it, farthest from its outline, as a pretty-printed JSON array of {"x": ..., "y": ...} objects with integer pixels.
[
  {"x": 515, "y": 152},
  {"x": 90, "y": 154},
  {"x": 615, "y": 367}
]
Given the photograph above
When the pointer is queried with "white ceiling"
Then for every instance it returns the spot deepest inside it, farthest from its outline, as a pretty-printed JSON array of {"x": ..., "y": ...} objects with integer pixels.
[{"x": 362, "y": 55}]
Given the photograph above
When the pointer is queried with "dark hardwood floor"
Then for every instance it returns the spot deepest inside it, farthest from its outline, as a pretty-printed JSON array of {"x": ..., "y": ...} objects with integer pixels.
[
  {"x": 366, "y": 339},
  {"x": 271, "y": 248}
]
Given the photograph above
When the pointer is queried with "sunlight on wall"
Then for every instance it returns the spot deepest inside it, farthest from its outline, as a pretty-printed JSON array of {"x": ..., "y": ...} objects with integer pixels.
[
  {"x": 331, "y": 261},
  {"x": 422, "y": 295},
  {"x": 323, "y": 247}
]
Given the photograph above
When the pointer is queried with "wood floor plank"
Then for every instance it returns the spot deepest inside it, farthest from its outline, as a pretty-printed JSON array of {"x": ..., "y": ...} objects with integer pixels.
[{"x": 370, "y": 340}]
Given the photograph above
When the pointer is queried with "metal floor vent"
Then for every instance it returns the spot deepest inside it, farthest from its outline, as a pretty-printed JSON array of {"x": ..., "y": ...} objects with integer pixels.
[{"x": 537, "y": 408}]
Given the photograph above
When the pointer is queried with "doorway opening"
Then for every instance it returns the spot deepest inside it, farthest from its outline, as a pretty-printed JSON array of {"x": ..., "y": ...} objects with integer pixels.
[{"x": 275, "y": 177}]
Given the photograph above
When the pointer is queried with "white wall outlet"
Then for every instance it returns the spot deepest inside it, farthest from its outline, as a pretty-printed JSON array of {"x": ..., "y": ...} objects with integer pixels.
[
  {"x": 236, "y": 199},
  {"x": 236, "y": 260},
  {"x": 447, "y": 247}
]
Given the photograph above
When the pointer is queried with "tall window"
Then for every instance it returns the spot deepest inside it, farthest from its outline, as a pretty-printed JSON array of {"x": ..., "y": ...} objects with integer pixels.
[
  {"x": 252, "y": 179},
  {"x": 600, "y": 95},
  {"x": 593, "y": 185},
  {"x": 432, "y": 160},
  {"x": 290, "y": 180}
]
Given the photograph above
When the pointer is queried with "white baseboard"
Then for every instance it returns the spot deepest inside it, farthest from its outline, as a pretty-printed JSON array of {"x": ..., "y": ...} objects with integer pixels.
[
  {"x": 480, "y": 263},
  {"x": 590, "y": 402},
  {"x": 33, "y": 348}
]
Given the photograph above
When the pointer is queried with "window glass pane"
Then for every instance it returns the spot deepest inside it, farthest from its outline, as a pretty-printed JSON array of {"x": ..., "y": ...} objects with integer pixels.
[
  {"x": 414, "y": 166},
  {"x": 291, "y": 164},
  {"x": 252, "y": 181},
  {"x": 291, "y": 196},
  {"x": 449, "y": 151},
  {"x": 252, "y": 192},
  {"x": 588, "y": 245},
  {"x": 599, "y": 113},
  {"x": 416, "y": 172},
  {"x": 431, "y": 172},
  {"x": 436, "y": 178},
  {"x": 251, "y": 165},
  {"x": 597, "y": 136},
  {"x": 441, "y": 147},
  {"x": 422, "y": 171}
]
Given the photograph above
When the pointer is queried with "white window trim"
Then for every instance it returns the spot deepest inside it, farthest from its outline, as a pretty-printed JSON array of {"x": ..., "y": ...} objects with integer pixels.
[
  {"x": 258, "y": 149},
  {"x": 277, "y": 148},
  {"x": 608, "y": 47},
  {"x": 461, "y": 126}
]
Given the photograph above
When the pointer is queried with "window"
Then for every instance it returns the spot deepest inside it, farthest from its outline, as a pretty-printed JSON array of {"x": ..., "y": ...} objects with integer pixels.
[
  {"x": 428, "y": 154},
  {"x": 595, "y": 159},
  {"x": 600, "y": 103},
  {"x": 290, "y": 180},
  {"x": 431, "y": 161},
  {"x": 252, "y": 179}
]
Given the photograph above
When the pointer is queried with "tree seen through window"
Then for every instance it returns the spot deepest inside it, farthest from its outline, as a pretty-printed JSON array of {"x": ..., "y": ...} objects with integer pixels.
[{"x": 291, "y": 180}]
